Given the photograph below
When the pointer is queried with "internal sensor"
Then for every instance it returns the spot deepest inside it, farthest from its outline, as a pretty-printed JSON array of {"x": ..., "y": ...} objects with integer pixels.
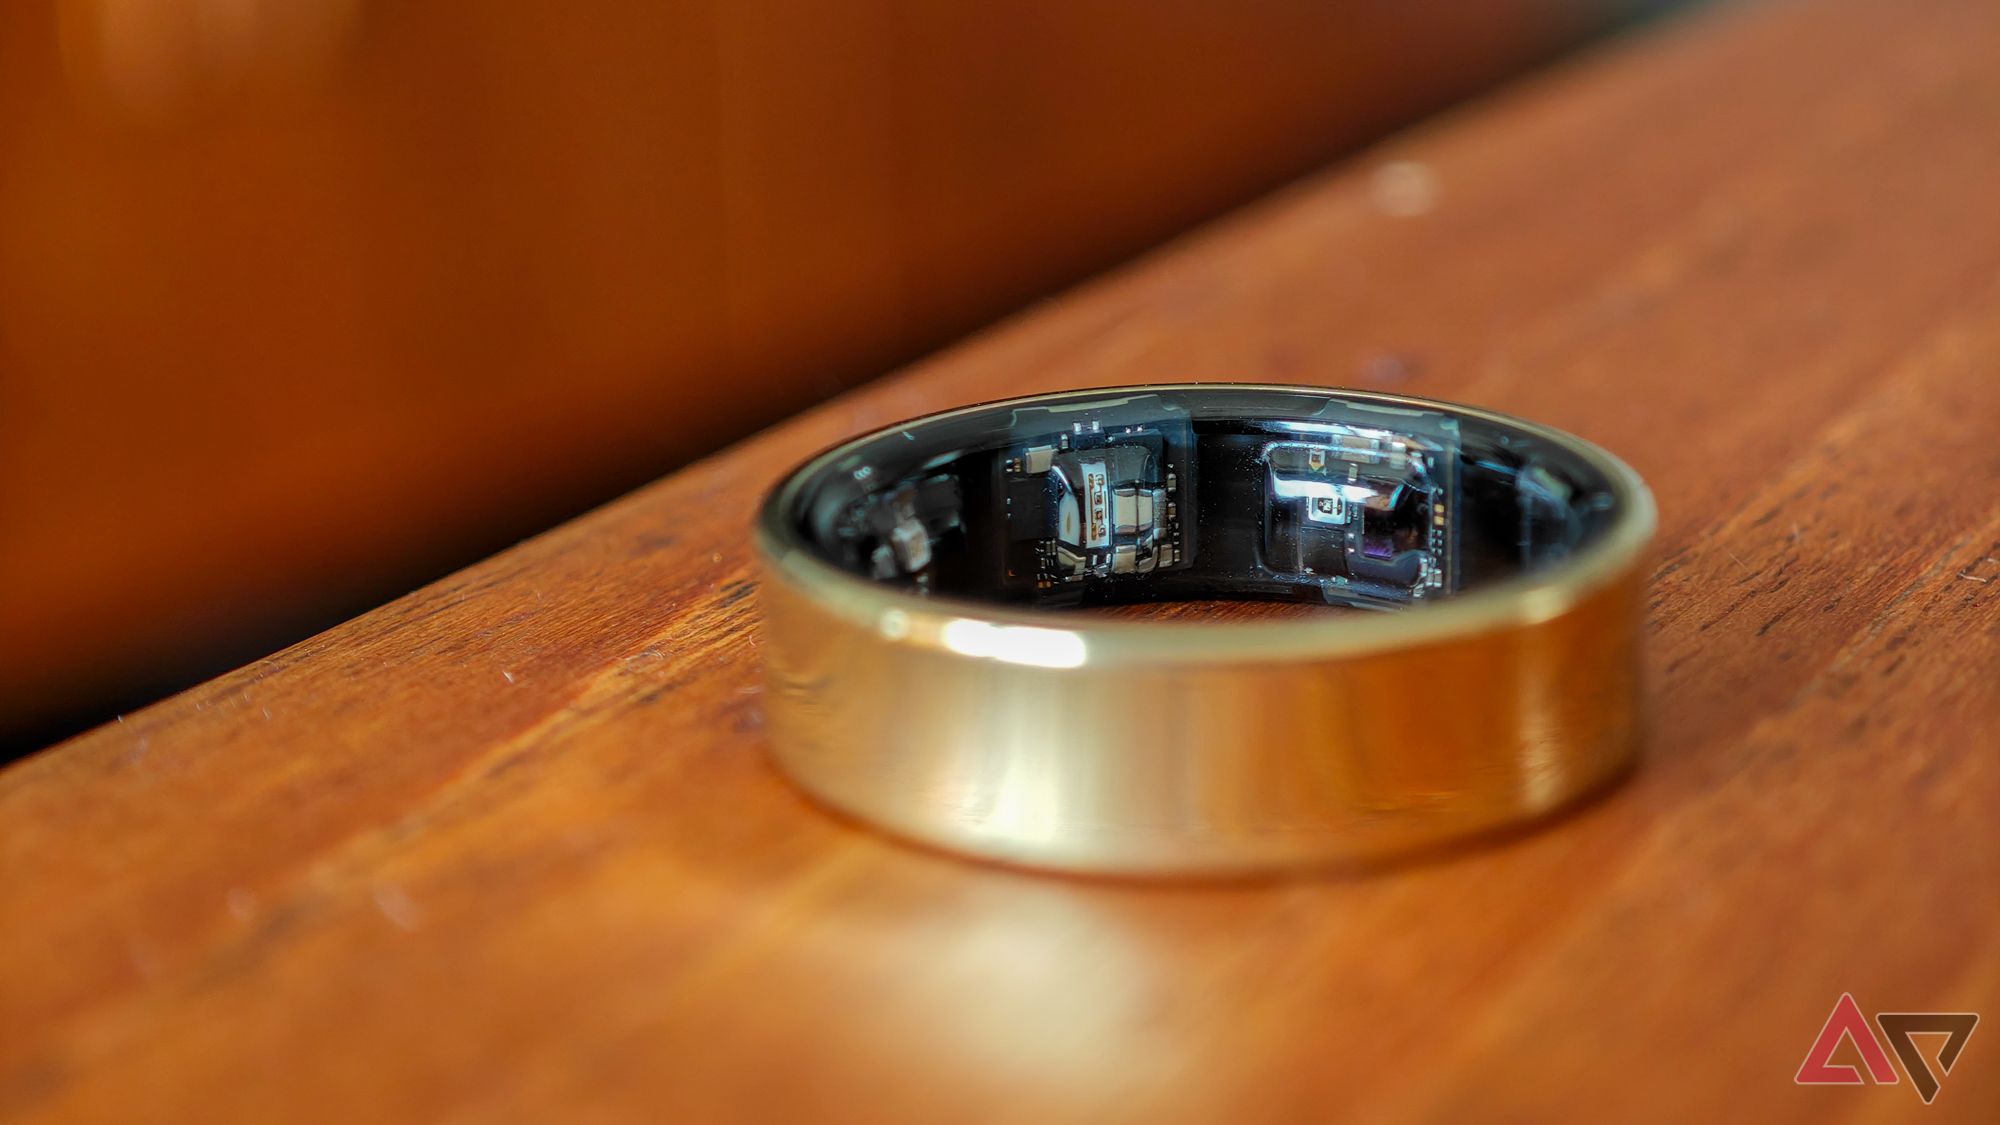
[
  {"x": 1088, "y": 503},
  {"x": 1367, "y": 509}
]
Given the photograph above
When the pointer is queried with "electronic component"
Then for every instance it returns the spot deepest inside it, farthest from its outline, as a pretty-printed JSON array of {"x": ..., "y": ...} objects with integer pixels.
[
  {"x": 894, "y": 532},
  {"x": 1132, "y": 499},
  {"x": 1092, "y": 503},
  {"x": 1365, "y": 510}
]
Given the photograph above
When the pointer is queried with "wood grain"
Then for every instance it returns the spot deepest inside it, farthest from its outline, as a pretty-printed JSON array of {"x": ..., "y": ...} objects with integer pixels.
[{"x": 509, "y": 849}]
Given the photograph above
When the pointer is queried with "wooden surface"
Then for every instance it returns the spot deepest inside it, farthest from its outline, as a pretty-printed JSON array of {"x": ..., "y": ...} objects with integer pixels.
[
  {"x": 306, "y": 302},
  {"x": 509, "y": 848}
]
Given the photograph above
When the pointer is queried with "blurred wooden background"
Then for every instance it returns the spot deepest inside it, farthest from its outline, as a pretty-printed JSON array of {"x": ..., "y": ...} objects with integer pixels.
[
  {"x": 304, "y": 302},
  {"x": 510, "y": 849}
]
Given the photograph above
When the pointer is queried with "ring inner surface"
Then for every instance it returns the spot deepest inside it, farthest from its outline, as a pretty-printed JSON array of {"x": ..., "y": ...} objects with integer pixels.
[{"x": 1241, "y": 493}]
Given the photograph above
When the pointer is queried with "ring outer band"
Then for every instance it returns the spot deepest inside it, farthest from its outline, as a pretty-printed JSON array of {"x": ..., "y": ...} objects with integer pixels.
[{"x": 1071, "y": 742}]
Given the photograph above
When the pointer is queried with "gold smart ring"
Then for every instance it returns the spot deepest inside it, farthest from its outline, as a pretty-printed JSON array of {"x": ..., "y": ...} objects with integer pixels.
[{"x": 929, "y": 669}]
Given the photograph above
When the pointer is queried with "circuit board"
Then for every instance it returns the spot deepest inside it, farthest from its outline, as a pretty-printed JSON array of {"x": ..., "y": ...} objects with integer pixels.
[
  {"x": 1366, "y": 509},
  {"x": 1093, "y": 503}
]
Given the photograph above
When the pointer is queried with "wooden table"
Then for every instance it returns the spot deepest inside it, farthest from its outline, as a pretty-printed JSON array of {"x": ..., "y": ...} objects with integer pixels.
[{"x": 509, "y": 848}]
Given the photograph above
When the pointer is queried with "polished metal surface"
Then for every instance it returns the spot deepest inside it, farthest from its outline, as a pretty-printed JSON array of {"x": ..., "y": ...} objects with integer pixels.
[{"x": 1068, "y": 741}]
